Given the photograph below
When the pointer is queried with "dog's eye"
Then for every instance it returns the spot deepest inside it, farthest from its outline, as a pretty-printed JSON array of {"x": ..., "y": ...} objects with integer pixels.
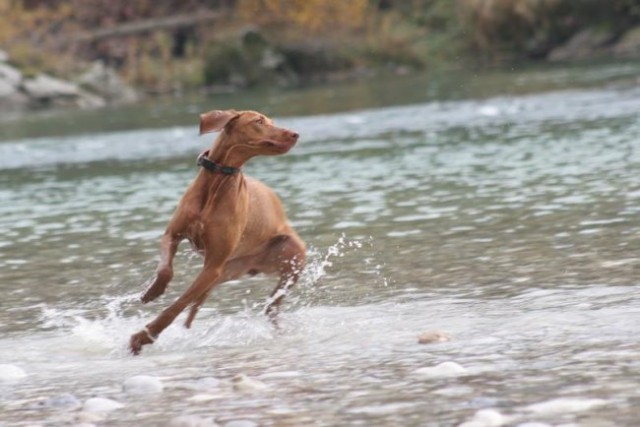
[{"x": 260, "y": 122}]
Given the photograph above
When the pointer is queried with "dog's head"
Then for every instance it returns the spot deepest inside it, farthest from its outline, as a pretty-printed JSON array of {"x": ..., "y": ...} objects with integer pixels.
[{"x": 251, "y": 130}]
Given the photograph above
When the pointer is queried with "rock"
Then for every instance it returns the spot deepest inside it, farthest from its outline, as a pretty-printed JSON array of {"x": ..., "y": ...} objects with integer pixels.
[
  {"x": 143, "y": 384},
  {"x": 443, "y": 370},
  {"x": 191, "y": 421},
  {"x": 47, "y": 87},
  {"x": 101, "y": 404},
  {"x": 629, "y": 44},
  {"x": 433, "y": 337},
  {"x": 47, "y": 91},
  {"x": 10, "y": 373},
  {"x": 3, "y": 56},
  {"x": 486, "y": 418},
  {"x": 106, "y": 82},
  {"x": 244, "y": 383},
  {"x": 7, "y": 89},
  {"x": 582, "y": 45},
  {"x": 10, "y": 75}
]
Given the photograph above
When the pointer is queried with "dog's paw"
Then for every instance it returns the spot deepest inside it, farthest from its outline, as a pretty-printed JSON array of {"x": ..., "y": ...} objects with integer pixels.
[{"x": 138, "y": 340}]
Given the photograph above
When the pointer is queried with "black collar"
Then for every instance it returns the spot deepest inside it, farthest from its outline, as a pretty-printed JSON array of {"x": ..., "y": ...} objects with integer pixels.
[{"x": 211, "y": 166}]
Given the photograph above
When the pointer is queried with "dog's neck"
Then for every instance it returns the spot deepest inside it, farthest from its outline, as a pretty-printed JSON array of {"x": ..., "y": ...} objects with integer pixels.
[{"x": 227, "y": 153}]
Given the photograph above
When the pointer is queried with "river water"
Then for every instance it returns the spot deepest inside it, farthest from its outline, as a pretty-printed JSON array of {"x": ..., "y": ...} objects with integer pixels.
[{"x": 510, "y": 223}]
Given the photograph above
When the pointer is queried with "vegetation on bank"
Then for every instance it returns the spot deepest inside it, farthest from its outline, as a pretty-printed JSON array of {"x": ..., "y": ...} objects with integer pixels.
[{"x": 164, "y": 46}]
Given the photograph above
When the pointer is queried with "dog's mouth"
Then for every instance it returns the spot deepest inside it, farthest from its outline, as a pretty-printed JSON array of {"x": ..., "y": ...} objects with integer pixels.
[{"x": 280, "y": 147}]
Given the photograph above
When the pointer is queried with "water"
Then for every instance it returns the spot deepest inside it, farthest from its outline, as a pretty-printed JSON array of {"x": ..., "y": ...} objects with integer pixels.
[{"x": 511, "y": 223}]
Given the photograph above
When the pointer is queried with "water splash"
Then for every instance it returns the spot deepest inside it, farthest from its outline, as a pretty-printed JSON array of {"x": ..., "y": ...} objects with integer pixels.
[{"x": 105, "y": 328}]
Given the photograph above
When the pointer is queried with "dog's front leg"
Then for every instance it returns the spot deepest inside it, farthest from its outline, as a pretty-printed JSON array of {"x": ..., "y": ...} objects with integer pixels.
[
  {"x": 224, "y": 239},
  {"x": 209, "y": 274},
  {"x": 164, "y": 273}
]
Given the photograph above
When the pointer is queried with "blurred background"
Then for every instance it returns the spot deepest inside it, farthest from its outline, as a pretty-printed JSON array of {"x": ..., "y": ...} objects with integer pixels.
[{"x": 104, "y": 52}]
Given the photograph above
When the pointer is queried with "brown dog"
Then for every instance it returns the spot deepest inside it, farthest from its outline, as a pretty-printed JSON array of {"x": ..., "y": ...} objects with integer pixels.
[{"x": 237, "y": 223}]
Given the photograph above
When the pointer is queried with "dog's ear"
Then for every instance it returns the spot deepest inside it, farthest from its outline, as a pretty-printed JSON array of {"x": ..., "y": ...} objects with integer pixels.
[{"x": 216, "y": 120}]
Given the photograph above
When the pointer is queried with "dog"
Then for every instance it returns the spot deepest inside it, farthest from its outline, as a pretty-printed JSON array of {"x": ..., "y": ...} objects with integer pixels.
[{"x": 237, "y": 223}]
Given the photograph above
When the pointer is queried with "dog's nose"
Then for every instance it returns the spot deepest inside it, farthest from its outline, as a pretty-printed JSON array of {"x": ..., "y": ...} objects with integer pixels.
[{"x": 293, "y": 135}]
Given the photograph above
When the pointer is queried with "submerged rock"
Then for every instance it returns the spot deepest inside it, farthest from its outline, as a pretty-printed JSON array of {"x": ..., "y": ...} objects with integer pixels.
[
  {"x": 433, "y": 337},
  {"x": 442, "y": 370},
  {"x": 101, "y": 404},
  {"x": 63, "y": 401},
  {"x": 143, "y": 384},
  {"x": 11, "y": 373}
]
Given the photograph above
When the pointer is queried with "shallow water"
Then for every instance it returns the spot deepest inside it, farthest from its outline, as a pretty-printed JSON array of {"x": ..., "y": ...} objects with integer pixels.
[{"x": 509, "y": 223}]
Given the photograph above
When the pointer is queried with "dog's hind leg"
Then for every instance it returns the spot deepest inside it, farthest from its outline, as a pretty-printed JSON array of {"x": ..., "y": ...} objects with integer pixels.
[{"x": 288, "y": 253}]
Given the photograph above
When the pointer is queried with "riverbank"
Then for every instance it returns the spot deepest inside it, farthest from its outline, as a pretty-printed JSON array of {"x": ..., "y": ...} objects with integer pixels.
[{"x": 80, "y": 55}]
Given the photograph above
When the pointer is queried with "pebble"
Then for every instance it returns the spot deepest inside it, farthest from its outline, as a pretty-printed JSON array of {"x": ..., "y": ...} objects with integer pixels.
[
  {"x": 564, "y": 405},
  {"x": 244, "y": 383},
  {"x": 486, "y": 418},
  {"x": 202, "y": 397},
  {"x": 442, "y": 370},
  {"x": 534, "y": 424},
  {"x": 101, "y": 404},
  {"x": 143, "y": 384},
  {"x": 241, "y": 423},
  {"x": 431, "y": 337},
  {"x": 11, "y": 373},
  {"x": 192, "y": 421},
  {"x": 89, "y": 417}
]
